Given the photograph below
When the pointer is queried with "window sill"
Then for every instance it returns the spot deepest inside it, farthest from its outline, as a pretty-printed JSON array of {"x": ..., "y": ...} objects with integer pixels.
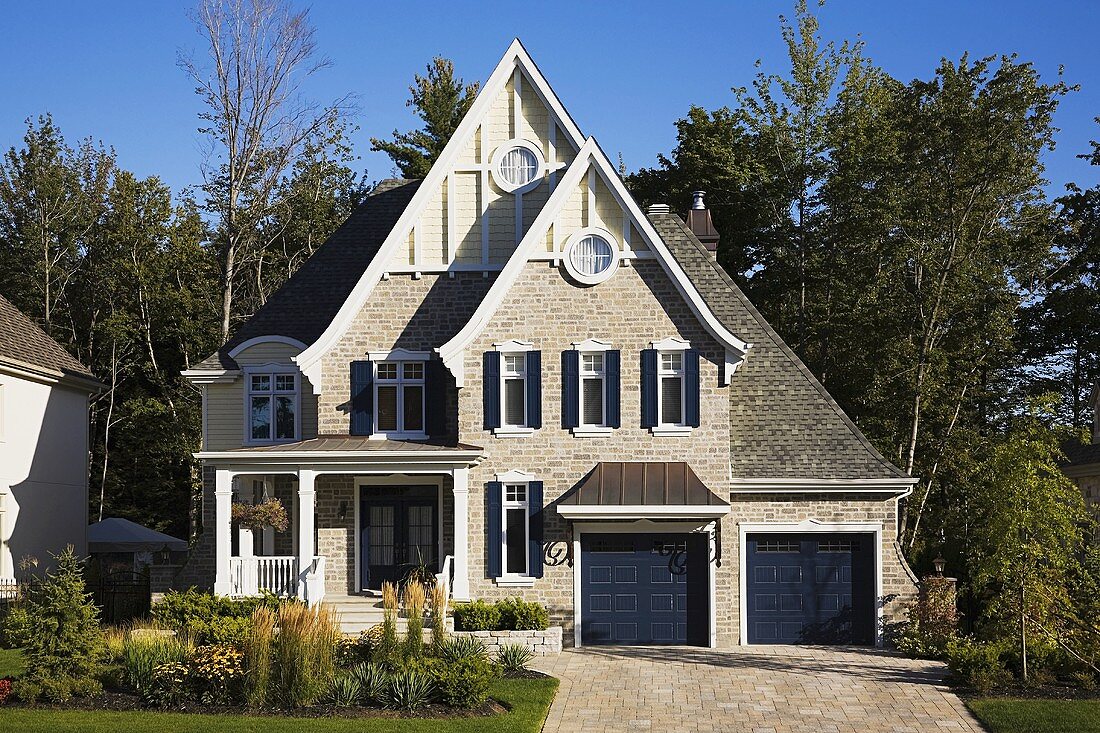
[
  {"x": 671, "y": 430},
  {"x": 513, "y": 432},
  {"x": 592, "y": 431},
  {"x": 515, "y": 581},
  {"x": 280, "y": 441}
]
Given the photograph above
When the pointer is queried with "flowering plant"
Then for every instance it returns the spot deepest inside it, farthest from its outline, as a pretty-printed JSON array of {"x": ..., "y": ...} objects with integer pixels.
[
  {"x": 218, "y": 669},
  {"x": 268, "y": 513},
  {"x": 5, "y": 689}
]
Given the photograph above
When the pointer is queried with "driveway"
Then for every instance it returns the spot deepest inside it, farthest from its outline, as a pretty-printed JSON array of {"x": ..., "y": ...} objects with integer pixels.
[{"x": 752, "y": 689}]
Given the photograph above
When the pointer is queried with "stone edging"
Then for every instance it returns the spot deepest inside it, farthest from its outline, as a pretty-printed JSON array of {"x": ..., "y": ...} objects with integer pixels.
[{"x": 541, "y": 643}]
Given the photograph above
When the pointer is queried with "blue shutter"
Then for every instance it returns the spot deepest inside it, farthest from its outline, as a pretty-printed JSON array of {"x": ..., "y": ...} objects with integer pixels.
[
  {"x": 362, "y": 398},
  {"x": 436, "y": 381},
  {"x": 494, "y": 535},
  {"x": 691, "y": 388},
  {"x": 534, "y": 529},
  {"x": 490, "y": 389},
  {"x": 649, "y": 388},
  {"x": 611, "y": 384},
  {"x": 570, "y": 386},
  {"x": 534, "y": 389}
]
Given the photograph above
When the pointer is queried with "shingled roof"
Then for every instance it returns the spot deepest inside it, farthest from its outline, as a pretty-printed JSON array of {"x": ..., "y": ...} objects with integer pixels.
[
  {"x": 306, "y": 303},
  {"x": 23, "y": 344},
  {"x": 783, "y": 423}
]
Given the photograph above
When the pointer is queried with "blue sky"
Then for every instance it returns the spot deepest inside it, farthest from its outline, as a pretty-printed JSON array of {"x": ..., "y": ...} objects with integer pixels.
[{"x": 626, "y": 71}]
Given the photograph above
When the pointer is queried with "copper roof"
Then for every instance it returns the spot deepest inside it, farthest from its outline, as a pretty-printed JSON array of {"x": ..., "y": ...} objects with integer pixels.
[
  {"x": 345, "y": 443},
  {"x": 642, "y": 484}
]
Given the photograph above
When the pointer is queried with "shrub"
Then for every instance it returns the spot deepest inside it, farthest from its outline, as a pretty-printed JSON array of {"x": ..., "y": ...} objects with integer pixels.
[
  {"x": 5, "y": 689},
  {"x": 477, "y": 616},
  {"x": 168, "y": 686},
  {"x": 15, "y": 627},
  {"x": 210, "y": 619},
  {"x": 514, "y": 657},
  {"x": 523, "y": 616},
  {"x": 217, "y": 670},
  {"x": 977, "y": 664},
  {"x": 344, "y": 691},
  {"x": 259, "y": 651},
  {"x": 414, "y": 612},
  {"x": 142, "y": 653},
  {"x": 409, "y": 690},
  {"x": 305, "y": 654},
  {"x": 466, "y": 682},
  {"x": 61, "y": 688},
  {"x": 374, "y": 682},
  {"x": 461, "y": 647}
]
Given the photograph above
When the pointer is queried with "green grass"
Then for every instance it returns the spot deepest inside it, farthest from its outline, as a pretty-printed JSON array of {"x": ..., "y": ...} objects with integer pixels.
[
  {"x": 529, "y": 700},
  {"x": 1013, "y": 715},
  {"x": 11, "y": 662}
]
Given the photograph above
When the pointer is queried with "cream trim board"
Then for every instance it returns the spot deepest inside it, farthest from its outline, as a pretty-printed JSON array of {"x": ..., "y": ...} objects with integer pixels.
[
  {"x": 399, "y": 355},
  {"x": 805, "y": 527},
  {"x": 212, "y": 376},
  {"x": 590, "y": 346},
  {"x": 514, "y": 346},
  {"x": 515, "y": 476},
  {"x": 898, "y": 487},
  {"x": 310, "y": 360},
  {"x": 570, "y": 511},
  {"x": 670, "y": 343},
  {"x": 643, "y": 526},
  {"x": 244, "y": 345}
]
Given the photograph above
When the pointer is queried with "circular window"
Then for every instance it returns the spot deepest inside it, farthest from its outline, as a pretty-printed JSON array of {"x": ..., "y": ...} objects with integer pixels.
[
  {"x": 591, "y": 256},
  {"x": 517, "y": 166}
]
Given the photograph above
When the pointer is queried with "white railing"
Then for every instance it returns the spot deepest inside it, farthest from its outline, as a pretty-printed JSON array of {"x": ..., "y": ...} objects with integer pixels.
[
  {"x": 445, "y": 578},
  {"x": 315, "y": 583},
  {"x": 278, "y": 574}
]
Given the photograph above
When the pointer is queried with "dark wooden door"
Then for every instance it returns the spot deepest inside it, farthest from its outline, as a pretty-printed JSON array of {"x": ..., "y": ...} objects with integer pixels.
[{"x": 396, "y": 535}]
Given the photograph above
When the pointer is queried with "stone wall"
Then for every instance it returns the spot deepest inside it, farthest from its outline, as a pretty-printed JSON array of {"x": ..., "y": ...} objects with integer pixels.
[{"x": 541, "y": 643}]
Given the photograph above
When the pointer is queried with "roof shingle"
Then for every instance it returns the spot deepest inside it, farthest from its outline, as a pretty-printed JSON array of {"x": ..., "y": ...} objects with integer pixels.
[{"x": 24, "y": 343}]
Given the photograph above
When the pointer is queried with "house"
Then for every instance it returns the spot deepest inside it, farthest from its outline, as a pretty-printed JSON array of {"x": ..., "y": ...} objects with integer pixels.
[
  {"x": 1083, "y": 459},
  {"x": 511, "y": 374},
  {"x": 44, "y": 397},
  {"x": 119, "y": 545}
]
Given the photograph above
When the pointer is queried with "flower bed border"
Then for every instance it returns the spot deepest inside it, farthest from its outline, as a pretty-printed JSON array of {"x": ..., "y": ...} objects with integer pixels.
[{"x": 541, "y": 643}]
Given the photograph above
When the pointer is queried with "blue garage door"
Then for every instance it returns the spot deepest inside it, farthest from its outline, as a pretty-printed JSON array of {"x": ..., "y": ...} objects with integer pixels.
[
  {"x": 810, "y": 588},
  {"x": 644, "y": 589}
]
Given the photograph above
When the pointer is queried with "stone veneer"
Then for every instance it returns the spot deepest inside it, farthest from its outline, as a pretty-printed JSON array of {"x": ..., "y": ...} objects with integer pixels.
[{"x": 541, "y": 643}]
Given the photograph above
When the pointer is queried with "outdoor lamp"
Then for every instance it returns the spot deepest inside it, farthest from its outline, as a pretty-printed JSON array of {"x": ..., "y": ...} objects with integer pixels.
[{"x": 939, "y": 564}]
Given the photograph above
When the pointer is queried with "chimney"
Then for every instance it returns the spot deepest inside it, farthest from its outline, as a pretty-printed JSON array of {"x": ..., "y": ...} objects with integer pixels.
[
  {"x": 658, "y": 209},
  {"x": 700, "y": 223}
]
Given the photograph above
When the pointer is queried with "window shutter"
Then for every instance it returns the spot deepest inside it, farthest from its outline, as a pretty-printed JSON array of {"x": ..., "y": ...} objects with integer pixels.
[
  {"x": 534, "y": 389},
  {"x": 362, "y": 398},
  {"x": 570, "y": 387},
  {"x": 691, "y": 388},
  {"x": 494, "y": 535},
  {"x": 649, "y": 388},
  {"x": 490, "y": 391},
  {"x": 534, "y": 529},
  {"x": 435, "y": 398},
  {"x": 611, "y": 361}
]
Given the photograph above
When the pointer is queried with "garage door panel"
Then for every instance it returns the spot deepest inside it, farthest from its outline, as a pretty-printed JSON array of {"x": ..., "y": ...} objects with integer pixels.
[
  {"x": 765, "y": 574},
  {"x": 626, "y": 574},
  {"x": 626, "y": 603},
  {"x": 599, "y": 574}
]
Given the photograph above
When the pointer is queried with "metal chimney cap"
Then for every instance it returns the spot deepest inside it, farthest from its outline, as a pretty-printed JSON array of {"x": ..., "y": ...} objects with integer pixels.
[
  {"x": 658, "y": 209},
  {"x": 697, "y": 200}
]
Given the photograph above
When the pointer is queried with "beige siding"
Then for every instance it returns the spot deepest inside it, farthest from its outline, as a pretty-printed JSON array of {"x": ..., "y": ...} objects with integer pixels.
[
  {"x": 266, "y": 353},
  {"x": 224, "y": 423},
  {"x": 468, "y": 218}
]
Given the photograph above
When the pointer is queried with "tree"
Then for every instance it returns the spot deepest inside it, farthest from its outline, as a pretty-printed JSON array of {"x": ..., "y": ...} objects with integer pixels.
[
  {"x": 441, "y": 101},
  {"x": 261, "y": 52}
]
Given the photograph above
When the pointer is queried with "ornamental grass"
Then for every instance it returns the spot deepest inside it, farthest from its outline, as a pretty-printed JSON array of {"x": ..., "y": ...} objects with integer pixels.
[
  {"x": 438, "y": 618},
  {"x": 389, "y": 619},
  {"x": 414, "y": 613},
  {"x": 259, "y": 650},
  {"x": 305, "y": 654}
]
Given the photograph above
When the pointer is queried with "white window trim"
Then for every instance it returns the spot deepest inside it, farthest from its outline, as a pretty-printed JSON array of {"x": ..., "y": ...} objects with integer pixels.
[
  {"x": 574, "y": 239},
  {"x": 671, "y": 345},
  {"x": 513, "y": 347},
  {"x": 590, "y": 346},
  {"x": 400, "y": 357},
  {"x": 271, "y": 369},
  {"x": 498, "y": 157},
  {"x": 515, "y": 478}
]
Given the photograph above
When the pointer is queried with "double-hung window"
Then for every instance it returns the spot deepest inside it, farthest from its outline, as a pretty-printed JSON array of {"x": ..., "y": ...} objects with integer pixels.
[
  {"x": 272, "y": 406},
  {"x": 513, "y": 379},
  {"x": 514, "y": 529},
  {"x": 399, "y": 398},
  {"x": 670, "y": 395},
  {"x": 590, "y": 388},
  {"x": 512, "y": 389},
  {"x": 515, "y": 535},
  {"x": 592, "y": 393}
]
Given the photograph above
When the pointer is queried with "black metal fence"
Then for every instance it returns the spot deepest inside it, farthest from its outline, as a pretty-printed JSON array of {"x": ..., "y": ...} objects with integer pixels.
[{"x": 122, "y": 595}]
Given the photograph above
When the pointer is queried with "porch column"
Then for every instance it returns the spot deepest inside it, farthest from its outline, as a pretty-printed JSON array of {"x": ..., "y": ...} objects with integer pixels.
[
  {"x": 223, "y": 539},
  {"x": 460, "y": 588},
  {"x": 246, "y": 542},
  {"x": 306, "y": 510}
]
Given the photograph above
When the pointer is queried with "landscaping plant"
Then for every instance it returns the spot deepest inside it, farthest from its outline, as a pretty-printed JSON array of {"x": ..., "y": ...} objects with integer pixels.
[
  {"x": 465, "y": 683},
  {"x": 519, "y": 615},
  {"x": 145, "y": 650},
  {"x": 477, "y": 616},
  {"x": 456, "y": 648},
  {"x": 210, "y": 619},
  {"x": 410, "y": 690},
  {"x": 217, "y": 671},
  {"x": 344, "y": 691},
  {"x": 305, "y": 654},
  {"x": 388, "y": 644},
  {"x": 414, "y": 615},
  {"x": 438, "y": 617},
  {"x": 259, "y": 652},
  {"x": 514, "y": 657},
  {"x": 374, "y": 682}
]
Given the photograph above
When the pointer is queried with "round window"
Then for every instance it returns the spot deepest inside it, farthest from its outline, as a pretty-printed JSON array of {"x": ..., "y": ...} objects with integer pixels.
[
  {"x": 517, "y": 166},
  {"x": 591, "y": 257}
]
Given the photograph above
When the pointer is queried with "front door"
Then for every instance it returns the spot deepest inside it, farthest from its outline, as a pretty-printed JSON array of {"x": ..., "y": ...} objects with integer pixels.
[{"x": 398, "y": 531}]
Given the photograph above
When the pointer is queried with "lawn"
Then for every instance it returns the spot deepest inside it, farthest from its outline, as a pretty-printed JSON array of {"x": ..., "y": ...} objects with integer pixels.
[
  {"x": 1013, "y": 715},
  {"x": 11, "y": 663}
]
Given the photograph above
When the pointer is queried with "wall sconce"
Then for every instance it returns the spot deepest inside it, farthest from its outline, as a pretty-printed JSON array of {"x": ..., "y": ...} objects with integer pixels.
[{"x": 343, "y": 511}]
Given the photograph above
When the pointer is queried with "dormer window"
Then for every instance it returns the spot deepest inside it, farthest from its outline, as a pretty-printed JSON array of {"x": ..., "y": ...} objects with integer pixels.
[
  {"x": 517, "y": 166},
  {"x": 272, "y": 406}
]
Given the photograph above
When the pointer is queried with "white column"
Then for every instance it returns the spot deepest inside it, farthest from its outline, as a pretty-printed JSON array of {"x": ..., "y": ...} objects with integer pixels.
[
  {"x": 267, "y": 536},
  {"x": 246, "y": 541},
  {"x": 306, "y": 514},
  {"x": 223, "y": 542},
  {"x": 461, "y": 489}
]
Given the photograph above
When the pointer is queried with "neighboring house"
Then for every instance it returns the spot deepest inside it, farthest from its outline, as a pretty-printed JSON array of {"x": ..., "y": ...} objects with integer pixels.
[
  {"x": 44, "y": 394},
  {"x": 116, "y": 544},
  {"x": 510, "y": 373},
  {"x": 1083, "y": 459}
]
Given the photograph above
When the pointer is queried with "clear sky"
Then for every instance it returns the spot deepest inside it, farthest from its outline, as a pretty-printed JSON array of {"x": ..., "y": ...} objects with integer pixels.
[{"x": 626, "y": 71}]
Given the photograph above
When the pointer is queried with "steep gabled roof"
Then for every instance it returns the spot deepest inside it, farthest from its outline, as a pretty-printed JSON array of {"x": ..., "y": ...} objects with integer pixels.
[
  {"x": 26, "y": 346},
  {"x": 783, "y": 423},
  {"x": 306, "y": 303}
]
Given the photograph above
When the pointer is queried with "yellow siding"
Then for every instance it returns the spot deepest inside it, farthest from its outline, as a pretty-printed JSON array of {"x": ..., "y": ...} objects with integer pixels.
[
  {"x": 266, "y": 353},
  {"x": 433, "y": 228},
  {"x": 535, "y": 120},
  {"x": 571, "y": 217},
  {"x": 467, "y": 218},
  {"x": 224, "y": 419},
  {"x": 609, "y": 214}
]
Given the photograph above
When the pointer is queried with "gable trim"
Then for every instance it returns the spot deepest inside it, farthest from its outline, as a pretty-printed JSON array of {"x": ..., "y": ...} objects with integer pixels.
[
  {"x": 265, "y": 340},
  {"x": 515, "y": 59},
  {"x": 589, "y": 160}
]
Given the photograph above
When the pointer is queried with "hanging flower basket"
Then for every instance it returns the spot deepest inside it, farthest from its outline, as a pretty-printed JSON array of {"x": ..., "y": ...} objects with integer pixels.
[{"x": 268, "y": 513}]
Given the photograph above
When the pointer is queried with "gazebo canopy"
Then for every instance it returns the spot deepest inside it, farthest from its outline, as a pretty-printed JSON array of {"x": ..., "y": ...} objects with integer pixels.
[{"x": 122, "y": 535}]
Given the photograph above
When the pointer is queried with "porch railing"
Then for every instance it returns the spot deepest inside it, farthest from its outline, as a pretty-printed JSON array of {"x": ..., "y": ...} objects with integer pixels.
[
  {"x": 445, "y": 577},
  {"x": 276, "y": 574}
]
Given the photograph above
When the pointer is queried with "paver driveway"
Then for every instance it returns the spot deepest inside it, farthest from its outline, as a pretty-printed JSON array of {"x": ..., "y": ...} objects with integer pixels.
[{"x": 753, "y": 689}]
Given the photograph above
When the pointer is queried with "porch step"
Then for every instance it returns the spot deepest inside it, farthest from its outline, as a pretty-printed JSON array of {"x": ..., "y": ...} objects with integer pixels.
[{"x": 360, "y": 613}]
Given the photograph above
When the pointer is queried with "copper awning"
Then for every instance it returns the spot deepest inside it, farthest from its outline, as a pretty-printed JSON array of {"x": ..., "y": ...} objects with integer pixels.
[{"x": 641, "y": 490}]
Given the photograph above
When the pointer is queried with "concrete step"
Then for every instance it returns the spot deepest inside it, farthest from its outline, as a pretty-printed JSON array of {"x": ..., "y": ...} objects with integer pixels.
[{"x": 361, "y": 613}]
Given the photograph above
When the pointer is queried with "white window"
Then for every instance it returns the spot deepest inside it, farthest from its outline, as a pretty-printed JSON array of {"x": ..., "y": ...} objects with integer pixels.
[
  {"x": 516, "y": 531},
  {"x": 399, "y": 398},
  {"x": 517, "y": 166},
  {"x": 591, "y": 256},
  {"x": 593, "y": 407},
  {"x": 272, "y": 406},
  {"x": 670, "y": 388},
  {"x": 513, "y": 390}
]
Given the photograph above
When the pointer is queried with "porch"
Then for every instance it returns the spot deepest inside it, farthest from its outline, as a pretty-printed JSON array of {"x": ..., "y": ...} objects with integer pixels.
[{"x": 361, "y": 512}]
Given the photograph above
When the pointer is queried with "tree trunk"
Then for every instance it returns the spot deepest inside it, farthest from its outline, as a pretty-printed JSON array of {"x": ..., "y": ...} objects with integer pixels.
[{"x": 1023, "y": 631}]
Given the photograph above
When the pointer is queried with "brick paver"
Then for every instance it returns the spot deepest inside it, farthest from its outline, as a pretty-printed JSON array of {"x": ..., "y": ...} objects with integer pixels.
[{"x": 752, "y": 689}]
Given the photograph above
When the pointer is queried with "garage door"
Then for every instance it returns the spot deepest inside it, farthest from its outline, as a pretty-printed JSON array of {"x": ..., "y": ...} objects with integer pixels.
[
  {"x": 810, "y": 588},
  {"x": 644, "y": 589}
]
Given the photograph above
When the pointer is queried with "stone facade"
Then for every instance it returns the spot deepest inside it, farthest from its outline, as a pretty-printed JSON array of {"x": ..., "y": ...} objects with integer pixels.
[{"x": 541, "y": 643}]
